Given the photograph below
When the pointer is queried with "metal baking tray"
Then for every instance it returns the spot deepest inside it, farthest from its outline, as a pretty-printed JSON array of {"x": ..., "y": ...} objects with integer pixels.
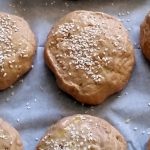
[{"x": 35, "y": 102}]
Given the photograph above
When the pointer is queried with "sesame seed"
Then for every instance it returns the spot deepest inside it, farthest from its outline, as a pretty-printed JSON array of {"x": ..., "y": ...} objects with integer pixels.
[
  {"x": 41, "y": 88},
  {"x": 3, "y": 135},
  {"x": 7, "y": 99},
  {"x": 128, "y": 12},
  {"x": 12, "y": 93},
  {"x": 21, "y": 80},
  {"x": 53, "y": 2},
  {"x": 127, "y": 120},
  {"x": 119, "y": 14},
  {"x": 18, "y": 120},
  {"x": 11, "y": 86},
  {"x": 128, "y": 20},
  {"x": 27, "y": 104},
  {"x": 135, "y": 129},
  {"x": 28, "y": 107},
  {"x": 129, "y": 29},
  {"x": 143, "y": 132}
]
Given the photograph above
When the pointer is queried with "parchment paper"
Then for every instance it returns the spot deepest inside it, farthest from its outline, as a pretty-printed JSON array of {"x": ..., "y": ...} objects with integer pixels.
[{"x": 35, "y": 102}]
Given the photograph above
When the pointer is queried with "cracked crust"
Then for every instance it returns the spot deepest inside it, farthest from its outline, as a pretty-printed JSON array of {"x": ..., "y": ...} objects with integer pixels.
[
  {"x": 90, "y": 55},
  {"x": 17, "y": 49},
  {"x": 9, "y": 137},
  {"x": 82, "y": 132},
  {"x": 145, "y": 36}
]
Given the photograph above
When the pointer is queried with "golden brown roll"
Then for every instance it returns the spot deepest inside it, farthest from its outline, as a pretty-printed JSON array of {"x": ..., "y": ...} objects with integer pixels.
[
  {"x": 17, "y": 48},
  {"x": 82, "y": 132},
  {"x": 9, "y": 137},
  {"x": 145, "y": 36},
  {"x": 148, "y": 145},
  {"x": 90, "y": 54}
]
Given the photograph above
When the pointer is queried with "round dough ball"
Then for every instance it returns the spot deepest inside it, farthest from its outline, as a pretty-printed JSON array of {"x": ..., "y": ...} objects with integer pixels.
[
  {"x": 148, "y": 145},
  {"x": 82, "y": 132},
  {"x": 17, "y": 48},
  {"x": 9, "y": 137},
  {"x": 145, "y": 36},
  {"x": 90, "y": 55}
]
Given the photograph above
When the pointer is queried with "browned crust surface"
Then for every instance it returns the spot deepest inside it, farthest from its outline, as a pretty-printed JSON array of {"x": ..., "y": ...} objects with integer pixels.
[
  {"x": 9, "y": 137},
  {"x": 17, "y": 48},
  {"x": 82, "y": 132},
  {"x": 148, "y": 145},
  {"x": 90, "y": 55},
  {"x": 145, "y": 36}
]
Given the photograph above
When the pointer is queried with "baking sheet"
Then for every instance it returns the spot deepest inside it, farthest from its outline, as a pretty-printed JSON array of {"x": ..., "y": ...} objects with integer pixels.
[{"x": 35, "y": 102}]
